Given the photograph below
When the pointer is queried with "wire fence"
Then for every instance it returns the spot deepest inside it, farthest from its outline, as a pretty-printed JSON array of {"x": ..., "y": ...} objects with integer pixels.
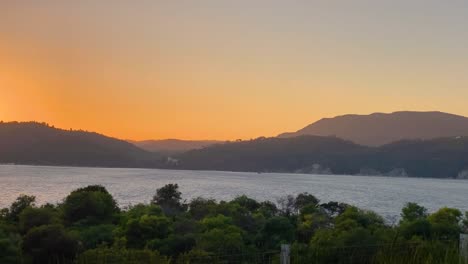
[
  {"x": 394, "y": 253},
  {"x": 424, "y": 252}
]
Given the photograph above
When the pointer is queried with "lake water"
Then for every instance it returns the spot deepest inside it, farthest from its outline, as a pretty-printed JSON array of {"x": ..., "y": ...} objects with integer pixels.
[{"x": 384, "y": 195}]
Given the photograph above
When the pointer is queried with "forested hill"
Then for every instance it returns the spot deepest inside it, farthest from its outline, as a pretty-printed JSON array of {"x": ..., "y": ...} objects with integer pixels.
[
  {"x": 38, "y": 143},
  {"x": 172, "y": 146},
  {"x": 379, "y": 129},
  {"x": 440, "y": 158}
]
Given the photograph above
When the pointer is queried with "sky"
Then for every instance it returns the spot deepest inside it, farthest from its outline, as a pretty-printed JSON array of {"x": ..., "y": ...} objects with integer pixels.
[{"x": 214, "y": 69}]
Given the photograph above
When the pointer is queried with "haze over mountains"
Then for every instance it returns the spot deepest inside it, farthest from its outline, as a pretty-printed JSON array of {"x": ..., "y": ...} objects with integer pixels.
[{"x": 380, "y": 129}]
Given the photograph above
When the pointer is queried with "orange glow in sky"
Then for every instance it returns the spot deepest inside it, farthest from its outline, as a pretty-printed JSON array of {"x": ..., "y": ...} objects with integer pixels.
[{"x": 226, "y": 69}]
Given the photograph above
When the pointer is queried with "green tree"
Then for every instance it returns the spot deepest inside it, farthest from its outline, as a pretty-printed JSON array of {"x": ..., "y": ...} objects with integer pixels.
[
  {"x": 90, "y": 205},
  {"x": 169, "y": 198},
  {"x": 121, "y": 256},
  {"x": 465, "y": 222},
  {"x": 277, "y": 230},
  {"x": 139, "y": 231},
  {"x": 21, "y": 203},
  {"x": 305, "y": 199},
  {"x": 9, "y": 248},
  {"x": 201, "y": 207},
  {"x": 34, "y": 217},
  {"x": 246, "y": 202},
  {"x": 222, "y": 240},
  {"x": 50, "y": 243},
  {"x": 96, "y": 235},
  {"x": 268, "y": 209},
  {"x": 445, "y": 223},
  {"x": 414, "y": 223},
  {"x": 412, "y": 212}
]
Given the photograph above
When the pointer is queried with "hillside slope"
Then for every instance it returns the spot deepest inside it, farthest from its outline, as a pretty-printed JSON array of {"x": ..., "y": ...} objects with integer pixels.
[
  {"x": 438, "y": 158},
  {"x": 380, "y": 129},
  {"x": 172, "y": 146},
  {"x": 36, "y": 143}
]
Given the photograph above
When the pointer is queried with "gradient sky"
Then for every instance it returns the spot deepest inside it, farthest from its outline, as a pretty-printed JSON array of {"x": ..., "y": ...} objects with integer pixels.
[{"x": 227, "y": 69}]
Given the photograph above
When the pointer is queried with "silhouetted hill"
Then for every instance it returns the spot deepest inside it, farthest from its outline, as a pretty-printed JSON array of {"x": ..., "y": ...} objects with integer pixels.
[
  {"x": 441, "y": 158},
  {"x": 379, "y": 129},
  {"x": 35, "y": 143},
  {"x": 275, "y": 154},
  {"x": 172, "y": 146}
]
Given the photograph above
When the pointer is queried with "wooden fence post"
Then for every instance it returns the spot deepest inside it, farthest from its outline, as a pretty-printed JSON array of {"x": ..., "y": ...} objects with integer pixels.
[
  {"x": 464, "y": 247},
  {"x": 285, "y": 254}
]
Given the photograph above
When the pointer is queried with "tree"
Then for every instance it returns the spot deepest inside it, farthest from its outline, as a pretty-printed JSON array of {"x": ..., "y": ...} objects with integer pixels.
[
  {"x": 412, "y": 212},
  {"x": 414, "y": 222},
  {"x": 334, "y": 209},
  {"x": 50, "y": 243},
  {"x": 21, "y": 203},
  {"x": 90, "y": 205},
  {"x": 201, "y": 207},
  {"x": 268, "y": 209},
  {"x": 305, "y": 199},
  {"x": 354, "y": 217},
  {"x": 465, "y": 222},
  {"x": 139, "y": 231},
  {"x": 169, "y": 198},
  {"x": 34, "y": 217},
  {"x": 445, "y": 223},
  {"x": 246, "y": 202},
  {"x": 277, "y": 230},
  {"x": 287, "y": 205},
  {"x": 224, "y": 241},
  {"x": 9, "y": 248}
]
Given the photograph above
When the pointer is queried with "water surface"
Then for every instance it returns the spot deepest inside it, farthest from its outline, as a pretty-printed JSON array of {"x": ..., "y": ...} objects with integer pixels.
[{"x": 384, "y": 195}]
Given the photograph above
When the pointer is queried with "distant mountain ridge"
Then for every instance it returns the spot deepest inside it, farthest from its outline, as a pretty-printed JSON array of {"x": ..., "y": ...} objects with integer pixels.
[
  {"x": 173, "y": 146},
  {"x": 41, "y": 144},
  {"x": 379, "y": 129},
  {"x": 437, "y": 158}
]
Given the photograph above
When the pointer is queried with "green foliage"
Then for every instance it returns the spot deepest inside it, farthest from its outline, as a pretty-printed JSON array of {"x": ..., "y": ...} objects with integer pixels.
[
  {"x": 21, "y": 203},
  {"x": 465, "y": 222},
  {"x": 206, "y": 231},
  {"x": 222, "y": 240},
  {"x": 96, "y": 235},
  {"x": 121, "y": 256},
  {"x": 89, "y": 205},
  {"x": 169, "y": 198},
  {"x": 445, "y": 223},
  {"x": 201, "y": 207},
  {"x": 139, "y": 231},
  {"x": 34, "y": 217},
  {"x": 10, "y": 252},
  {"x": 277, "y": 230},
  {"x": 246, "y": 202},
  {"x": 50, "y": 243},
  {"x": 304, "y": 199},
  {"x": 412, "y": 212}
]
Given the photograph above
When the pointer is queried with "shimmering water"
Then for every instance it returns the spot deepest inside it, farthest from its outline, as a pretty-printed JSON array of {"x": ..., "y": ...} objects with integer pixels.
[{"x": 384, "y": 195}]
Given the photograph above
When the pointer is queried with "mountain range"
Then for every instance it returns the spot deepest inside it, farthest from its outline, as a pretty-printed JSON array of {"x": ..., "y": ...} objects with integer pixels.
[
  {"x": 437, "y": 158},
  {"x": 418, "y": 144},
  {"x": 172, "y": 146},
  {"x": 379, "y": 129},
  {"x": 41, "y": 144}
]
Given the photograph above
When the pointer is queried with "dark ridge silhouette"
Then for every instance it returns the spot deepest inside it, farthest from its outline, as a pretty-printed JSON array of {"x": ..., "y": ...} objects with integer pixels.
[
  {"x": 172, "y": 146},
  {"x": 439, "y": 158},
  {"x": 379, "y": 129},
  {"x": 41, "y": 144}
]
